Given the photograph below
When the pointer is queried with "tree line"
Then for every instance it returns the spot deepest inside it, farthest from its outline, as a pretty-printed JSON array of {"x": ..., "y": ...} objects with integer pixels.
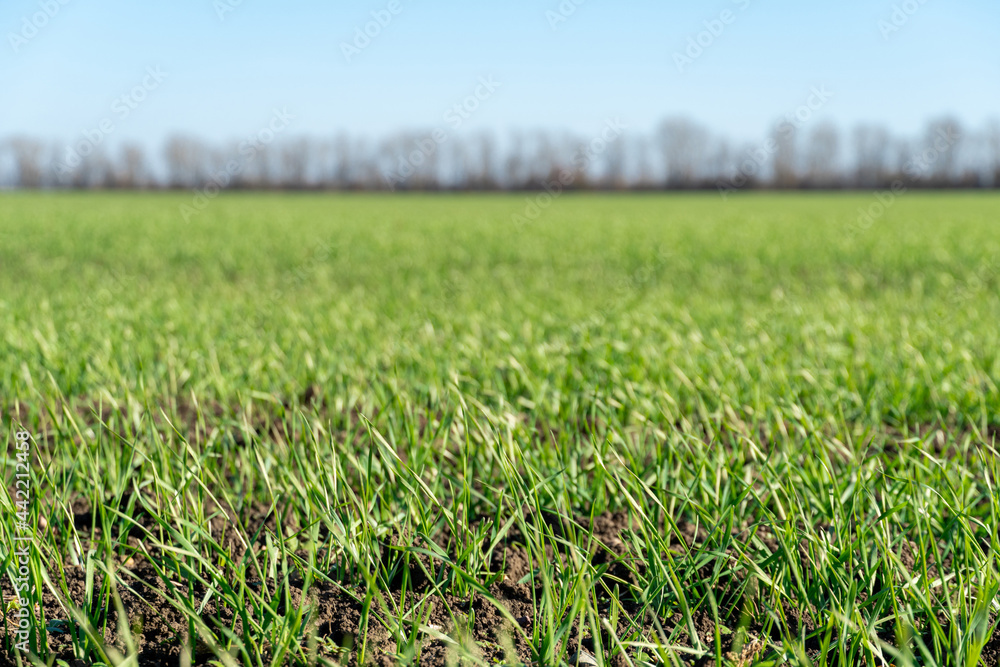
[{"x": 679, "y": 154}]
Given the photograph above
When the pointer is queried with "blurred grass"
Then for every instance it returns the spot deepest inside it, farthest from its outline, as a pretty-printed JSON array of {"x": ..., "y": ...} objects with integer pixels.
[{"x": 765, "y": 300}]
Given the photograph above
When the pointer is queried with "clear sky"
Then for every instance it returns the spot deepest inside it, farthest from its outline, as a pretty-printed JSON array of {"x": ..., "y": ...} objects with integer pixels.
[{"x": 229, "y": 63}]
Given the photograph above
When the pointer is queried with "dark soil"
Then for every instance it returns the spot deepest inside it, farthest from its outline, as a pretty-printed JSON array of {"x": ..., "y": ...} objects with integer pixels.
[{"x": 162, "y": 633}]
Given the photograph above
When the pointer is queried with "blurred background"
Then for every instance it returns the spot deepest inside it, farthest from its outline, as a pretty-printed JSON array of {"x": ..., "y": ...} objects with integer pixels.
[{"x": 570, "y": 94}]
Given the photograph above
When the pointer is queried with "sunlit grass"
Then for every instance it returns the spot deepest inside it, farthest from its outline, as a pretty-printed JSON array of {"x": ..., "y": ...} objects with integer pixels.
[{"x": 798, "y": 420}]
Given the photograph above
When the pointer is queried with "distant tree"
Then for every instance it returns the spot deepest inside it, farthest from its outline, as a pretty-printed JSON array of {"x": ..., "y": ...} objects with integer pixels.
[
  {"x": 720, "y": 162},
  {"x": 616, "y": 164},
  {"x": 132, "y": 171},
  {"x": 942, "y": 146},
  {"x": 822, "y": 152},
  {"x": 993, "y": 150},
  {"x": 745, "y": 171},
  {"x": 683, "y": 144},
  {"x": 341, "y": 161},
  {"x": 96, "y": 171},
  {"x": 902, "y": 161},
  {"x": 483, "y": 172},
  {"x": 27, "y": 159},
  {"x": 366, "y": 174},
  {"x": 785, "y": 168},
  {"x": 263, "y": 167},
  {"x": 539, "y": 166},
  {"x": 296, "y": 160},
  {"x": 186, "y": 159},
  {"x": 644, "y": 175},
  {"x": 515, "y": 165},
  {"x": 678, "y": 154},
  {"x": 871, "y": 155},
  {"x": 59, "y": 174}
]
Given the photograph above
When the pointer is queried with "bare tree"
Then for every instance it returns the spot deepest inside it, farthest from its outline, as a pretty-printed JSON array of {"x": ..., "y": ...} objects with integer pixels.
[
  {"x": 295, "y": 160},
  {"x": 516, "y": 163},
  {"x": 366, "y": 172},
  {"x": 485, "y": 175},
  {"x": 678, "y": 154},
  {"x": 95, "y": 171},
  {"x": 784, "y": 161},
  {"x": 941, "y": 149},
  {"x": 822, "y": 152},
  {"x": 683, "y": 144},
  {"x": 993, "y": 148},
  {"x": 721, "y": 160},
  {"x": 6, "y": 165},
  {"x": 901, "y": 160},
  {"x": 644, "y": 176},
  {"x": 871, "y": 155},
  {"x": 133, "y": 170},
  {"x": 470, "y": 163},
  {"x": 262, "y": 166},
  {"x": 27, "y": 155},
  {"x": 615, "y": 164},
  {"x": 186, "y": 159},
  {"x": 342, "y": 160}
]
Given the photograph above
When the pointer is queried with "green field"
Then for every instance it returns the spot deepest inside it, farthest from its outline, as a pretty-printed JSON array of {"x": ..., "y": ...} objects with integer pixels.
[{"x": 332, "y": 429}]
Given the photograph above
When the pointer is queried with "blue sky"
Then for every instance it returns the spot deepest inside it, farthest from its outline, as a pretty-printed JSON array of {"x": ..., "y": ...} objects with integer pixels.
[{"x": 226, "y": 74}]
